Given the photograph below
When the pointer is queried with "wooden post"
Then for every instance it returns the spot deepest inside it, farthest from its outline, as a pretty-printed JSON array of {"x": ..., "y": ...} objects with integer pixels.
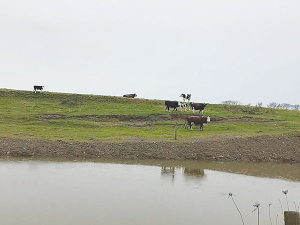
[
  {"x": 175, "y": 129},
  {"x": 291, "y": 218}
]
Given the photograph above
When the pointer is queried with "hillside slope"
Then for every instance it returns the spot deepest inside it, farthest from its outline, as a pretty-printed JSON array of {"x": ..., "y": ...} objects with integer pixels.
[{"x": 72, "y": 117}]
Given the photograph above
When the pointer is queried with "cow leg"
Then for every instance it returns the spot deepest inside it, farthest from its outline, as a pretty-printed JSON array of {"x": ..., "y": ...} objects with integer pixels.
[
  {"x": 189, "y": 126},
  {"x": 201, "y": 127},
  {"x": 186, "y": 125}
]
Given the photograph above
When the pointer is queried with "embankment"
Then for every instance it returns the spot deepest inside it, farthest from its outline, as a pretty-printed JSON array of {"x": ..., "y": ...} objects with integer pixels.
[{"x": 265, "y": 148}]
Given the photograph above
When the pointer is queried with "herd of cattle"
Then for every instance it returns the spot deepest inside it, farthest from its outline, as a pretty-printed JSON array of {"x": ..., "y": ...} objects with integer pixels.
[
  {"x": 189, "y": 121},
  {"x": 183, "y": 106}
]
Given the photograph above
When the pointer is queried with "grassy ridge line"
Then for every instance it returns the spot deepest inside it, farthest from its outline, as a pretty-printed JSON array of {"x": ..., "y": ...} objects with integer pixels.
[{"x": 59, "y": 116}]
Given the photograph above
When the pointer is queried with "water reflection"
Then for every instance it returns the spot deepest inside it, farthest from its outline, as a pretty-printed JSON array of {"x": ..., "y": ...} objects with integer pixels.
[
  {"x": 193, "y": 172},
  {"x": 196, "y": 168},
  {"x": 142, "y": 192},
  {"x": 272, "y": 170},
  {"x": 170, "y": 172}
]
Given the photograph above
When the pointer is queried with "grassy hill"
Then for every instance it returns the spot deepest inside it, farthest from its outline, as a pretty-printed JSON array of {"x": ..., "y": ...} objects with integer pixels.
[{"x": 58, "y": 116}]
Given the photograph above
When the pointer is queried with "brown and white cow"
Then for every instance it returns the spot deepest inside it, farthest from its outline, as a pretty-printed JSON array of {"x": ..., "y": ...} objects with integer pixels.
[
  {"x": 130, "y": 95},
  {"x": 197, "y": 120}
]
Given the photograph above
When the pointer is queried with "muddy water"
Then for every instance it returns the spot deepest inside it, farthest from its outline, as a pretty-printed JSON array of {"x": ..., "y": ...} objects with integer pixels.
[{"x": 145, "y": 192}]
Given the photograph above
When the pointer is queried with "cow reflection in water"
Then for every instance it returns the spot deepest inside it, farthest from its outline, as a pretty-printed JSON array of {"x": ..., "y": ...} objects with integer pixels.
[
  {"x": 194, "y": 172},
  {"x": 170, "y": 172}
]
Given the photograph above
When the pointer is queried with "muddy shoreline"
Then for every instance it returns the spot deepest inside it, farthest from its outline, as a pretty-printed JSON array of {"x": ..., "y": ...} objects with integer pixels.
[{"x": 265, "y": 148}]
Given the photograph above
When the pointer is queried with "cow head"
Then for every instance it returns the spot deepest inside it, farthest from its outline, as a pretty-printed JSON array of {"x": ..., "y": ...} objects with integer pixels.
[
  {"x": 208, "y": 119},
  {"x": 182, "y": 106},
  {"x": 188, "y": 97},
  {"x": 183, "y": 97}
]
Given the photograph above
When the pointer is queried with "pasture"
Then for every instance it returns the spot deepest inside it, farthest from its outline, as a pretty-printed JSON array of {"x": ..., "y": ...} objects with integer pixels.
[{"x": 59, "y": 116}]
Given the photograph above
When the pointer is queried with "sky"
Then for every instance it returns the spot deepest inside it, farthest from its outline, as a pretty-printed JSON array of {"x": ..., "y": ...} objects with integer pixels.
[{"x": 216, "y": 50}]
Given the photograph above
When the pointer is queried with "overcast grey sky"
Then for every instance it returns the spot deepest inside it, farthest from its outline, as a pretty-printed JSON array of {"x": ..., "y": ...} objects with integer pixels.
[{"x": 242, "y": 50}]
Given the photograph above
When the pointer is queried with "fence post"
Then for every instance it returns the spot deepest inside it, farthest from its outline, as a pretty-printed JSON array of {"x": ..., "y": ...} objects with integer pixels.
[
  {"x": 291, "y": 218},
  {"x": 175, "y": 130}
]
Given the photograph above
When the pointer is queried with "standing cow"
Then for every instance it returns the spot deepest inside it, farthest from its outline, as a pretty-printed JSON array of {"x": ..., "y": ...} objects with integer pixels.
[
  {"x": 186, "y": 97},
  {"x": 172, "y": 104},
  {"x": 197, "y": 120},
  {"x": 36, "y": 87},
  {"x": 130, "y": 95},
  {"x": 197, "y": 106}
]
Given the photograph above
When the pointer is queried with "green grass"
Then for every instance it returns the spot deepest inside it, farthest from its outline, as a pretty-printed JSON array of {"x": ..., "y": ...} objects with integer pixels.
[{"x": 58, "y": 116}]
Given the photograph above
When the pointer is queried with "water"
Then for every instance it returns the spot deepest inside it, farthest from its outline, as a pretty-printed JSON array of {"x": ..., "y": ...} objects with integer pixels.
[{"x": 150, "y": 192}]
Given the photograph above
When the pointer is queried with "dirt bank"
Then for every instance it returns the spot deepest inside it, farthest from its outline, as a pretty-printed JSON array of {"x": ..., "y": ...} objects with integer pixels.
[{"x": 282, "y": 148}]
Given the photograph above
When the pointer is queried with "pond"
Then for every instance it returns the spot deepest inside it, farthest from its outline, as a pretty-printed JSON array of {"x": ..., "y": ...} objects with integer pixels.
[{"x": 145, "y": 192}]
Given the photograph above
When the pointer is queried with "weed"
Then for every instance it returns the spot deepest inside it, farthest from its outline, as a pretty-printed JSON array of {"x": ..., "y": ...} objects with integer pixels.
[
  {"x": 230, "y": 195},
  {"x": 270, "y": 213},
  {"x": 256, "y": 205},
  {"x": 281, "y": 206},
  {"x": 287, "y": 203}
]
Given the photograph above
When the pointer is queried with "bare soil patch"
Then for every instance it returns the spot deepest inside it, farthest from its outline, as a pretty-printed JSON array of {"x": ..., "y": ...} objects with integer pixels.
[
  {"x": 265, "y": 148},
  {"x": 241, "y": 119},
  {"x": 147, "y": 118},
  {"x": 50, "y": 116}
]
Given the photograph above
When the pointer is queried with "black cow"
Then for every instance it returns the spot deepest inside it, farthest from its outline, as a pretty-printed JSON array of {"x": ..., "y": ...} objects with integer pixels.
[
  {"x": 186, "y": 97},
  {"x": 197, "y": 120},
  {"x": 172, "y": 104},
  {"x": 130, "y": 95},
  {"x": 197, "y": 106},
  {"x": 36, "y": 87}
]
